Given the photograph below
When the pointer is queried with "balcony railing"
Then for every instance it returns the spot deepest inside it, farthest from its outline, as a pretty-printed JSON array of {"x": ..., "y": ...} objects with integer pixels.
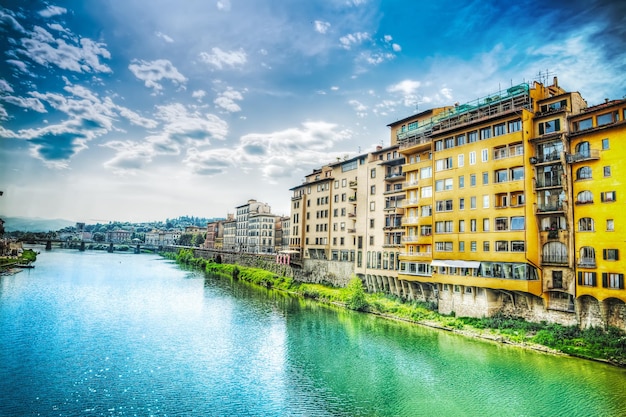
[
  {"x": 554, "y": 259},
  {"x": 548, "y": 182},
  {"x": 592, "y": 154},
  {"x": 352, "y": 184},
  {"x": 547, "y": 208},
  {"x": 587, "y": 262},
  {"x": 410, "y": 220}
]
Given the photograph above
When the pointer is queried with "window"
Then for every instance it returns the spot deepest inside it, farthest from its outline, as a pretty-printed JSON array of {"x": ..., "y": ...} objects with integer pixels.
[
  {"x": 472, "y": 202},
  {"x": 584, "y": 124},
  {"x": 426, "y": 211},
  {"x": 426, "y": 192},
  {"x": 501, "y": 175},
  {"x": 613, "y": 280},
  {"x": 460, "y": 140},
  {"x": 461, "y": 246},
  {"x": 607, "y": 171},
  {"x": 604, "y": 119},
  {"x": 585, "y": 224},
  {"x": 473, "y": 180},
  {"x": 448, "y": 143},
  {"x": 499, "y": 129},
  {"x": 438, "y": 145},
  {"x": 443, "y": 164},
  {"x": 610, "y": 254},
  {"x": 583, "y": 149},
  {"x": 472, "y": 137},
  {"x": 473, "y": 246},
  {"x": 461, "y": 160},
  {"x": 373, "y": 173},
  {"x": 461, "y": 226},
  {"x": 426, "y": 172},
  {"x": 517, "y": 173},
  {"x": 515, "y": 126},
  {"x": 587, "y": 256},
  {"x": 486, "y": 246},
  {"x": 518, "y": 246},
  {"x": 461, "y": 203},
  {"x": 373, "y": 189},
  {"x": 550, "y": 126},
  {"x": 486, "y": 201},
  {"x": 584, "y": 197},
  {"x": 447, "y": 184},
  {"x": 372, "y": 206},
  {"x": 557, "y": 279},
  {"x": 605, "y": 144},
  {"x": 485, "y": 225},
  {"x": 472, "y": 158},
  {"x": 517, "y": 223},
  {"x": 502, "y": 246},
  {"x": 587, "y": 278},
  {"x": 607, "y": 196},
  {"x": 485, "y": 178},
  {"x": 583, "y": 173},
  {"x": 439, "y": 185},
  {"x": 372, "y": 223},
  {"x": 485, "y": 133},
  {"x": 502, "y": 223},
  {"x": 461, "y": 181},
  {"x": 472, "y": 225},
  {"x": 484, "y": 155},
  {"x": 444, "y": 227},
  {"x": 443, "y": 246},
  {"x": 610, "y": 225},
  {"x": 443, "y": 205}
]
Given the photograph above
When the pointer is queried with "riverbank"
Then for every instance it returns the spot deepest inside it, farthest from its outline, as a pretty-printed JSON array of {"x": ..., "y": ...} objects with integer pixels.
[{"x": 593, "y": 343}]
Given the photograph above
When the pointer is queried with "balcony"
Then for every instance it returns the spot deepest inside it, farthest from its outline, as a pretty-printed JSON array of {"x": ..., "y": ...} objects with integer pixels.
[
  {"x": 352, "y": 199},
  {"x": 587, "y": 262},
  {"x": 410, "y": 220},
  {"x": 396, "y": 176},
  {"x": 351, "y": 230},
  {"x": 410, "y": 184},
  {"x": 351, "y": 215},
  {"x": 550, "y": 208},
  {"x": 591, "y": 155},
  {"x": 548, "y": 182},
  {"x": 353, "y": 184},
  {"x": 554, "y": 259}
]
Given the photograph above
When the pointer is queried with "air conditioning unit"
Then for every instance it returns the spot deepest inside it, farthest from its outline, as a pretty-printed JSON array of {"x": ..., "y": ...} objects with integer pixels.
[{"x": 533, "y": 160}]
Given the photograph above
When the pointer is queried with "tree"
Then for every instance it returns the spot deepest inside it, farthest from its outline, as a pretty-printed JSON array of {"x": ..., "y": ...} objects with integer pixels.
[
  {"x": 99, "y": 237},
  {"x": 198, "y": 239},
  {"x": 185, "y": 239}
]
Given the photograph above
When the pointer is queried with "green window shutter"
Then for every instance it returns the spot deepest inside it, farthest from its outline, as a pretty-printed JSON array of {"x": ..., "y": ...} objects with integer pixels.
[
  {"x": 557, "y": 125},
  {"x": 593, "y": 279},
  {"x": 580, "y": 278},
  {"x": 604, "y": 254},
  {"x": 541, "y": 128},
  {"x": 605, "y": 280},
  {"x": 621, "y": 281}
]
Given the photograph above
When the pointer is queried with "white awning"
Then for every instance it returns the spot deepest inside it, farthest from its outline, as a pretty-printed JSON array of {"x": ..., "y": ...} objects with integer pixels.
[{"x": 455, "y": 264}]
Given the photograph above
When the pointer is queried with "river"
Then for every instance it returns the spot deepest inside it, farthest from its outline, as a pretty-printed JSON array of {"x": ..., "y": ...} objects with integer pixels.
[{"x": 100, "y": 334}]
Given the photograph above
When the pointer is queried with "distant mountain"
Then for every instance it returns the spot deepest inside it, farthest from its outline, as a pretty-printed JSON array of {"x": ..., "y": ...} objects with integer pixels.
[{"x": 34, "y": 224}]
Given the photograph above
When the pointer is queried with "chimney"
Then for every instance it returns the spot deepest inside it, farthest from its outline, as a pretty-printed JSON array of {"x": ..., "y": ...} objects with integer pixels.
[
  {"x": 555, "y": 81},
  {"x": 379, "y": 148}
]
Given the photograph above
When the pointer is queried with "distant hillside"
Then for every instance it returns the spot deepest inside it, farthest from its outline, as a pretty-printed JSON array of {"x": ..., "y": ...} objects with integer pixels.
[{"x": 34, "y": 224}]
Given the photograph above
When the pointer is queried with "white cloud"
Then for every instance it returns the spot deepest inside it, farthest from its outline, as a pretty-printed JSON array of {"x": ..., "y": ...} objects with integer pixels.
[
  {"x": 396, "y": 47},
  {"x": 353, "y": 39},
  {"x": 5, "y": 87},
  {"x": 404, "y": 87},
  {"x": 27, "y": 103},
  {"x": 223, "y": 5},
  {"x": 152, "y": 72},
  {"x": 219, "y": 58},
  {"x": 321, "y": 26},
  {"x": 198, "y": 94},
  {"x": 81, "y": 55},
  {"x": 52, "y": 11},
  {"x": 359, "y": 108},
  {"x": 226, "y": 100},
  {"x": 163, "y": 36}
]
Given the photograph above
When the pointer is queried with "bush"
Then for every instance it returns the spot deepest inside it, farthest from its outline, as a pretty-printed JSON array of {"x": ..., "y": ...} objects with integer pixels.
[{"x": 354, "y": 295}]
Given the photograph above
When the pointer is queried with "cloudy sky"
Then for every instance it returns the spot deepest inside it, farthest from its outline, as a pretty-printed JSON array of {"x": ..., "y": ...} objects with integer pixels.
[{"x": 138, "y": 110}]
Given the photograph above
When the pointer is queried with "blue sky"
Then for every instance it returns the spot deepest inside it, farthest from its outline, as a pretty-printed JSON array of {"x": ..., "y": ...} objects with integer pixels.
[{"x": 146, "y": 109}]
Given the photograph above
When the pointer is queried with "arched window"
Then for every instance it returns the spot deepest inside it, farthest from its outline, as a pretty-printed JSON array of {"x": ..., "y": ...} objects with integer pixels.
[
  {"x": 587, "y": 256},
  {"x": 584, "y": 197},
  {"x": 585, "y": 224},
  {"x": 554, "y": 252},
  {"x": 583, "y": 173},
  {"x": 583, "y": 149}
]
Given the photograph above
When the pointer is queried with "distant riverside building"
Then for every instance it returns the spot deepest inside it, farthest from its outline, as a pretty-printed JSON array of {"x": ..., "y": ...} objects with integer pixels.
[
  {"x": 230, "y": 233},
  {"x": 162, "y": 238},
  {"x": 282, "y": 233},
  {"x": 243, "y": 214},
  {"x": 506, "y": 204},
  {"x": 215, "y": 234},
  {"x": 118, "y": 236}
]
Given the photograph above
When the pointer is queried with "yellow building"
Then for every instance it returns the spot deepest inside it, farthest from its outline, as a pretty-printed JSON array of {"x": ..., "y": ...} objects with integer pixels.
[
  {"x": 472, "y": 229},
  {"x": 597, "y": 155}
]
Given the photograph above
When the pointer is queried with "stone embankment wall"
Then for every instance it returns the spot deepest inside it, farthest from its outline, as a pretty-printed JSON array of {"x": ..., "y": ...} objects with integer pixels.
[{"x": 336, "y": 274}]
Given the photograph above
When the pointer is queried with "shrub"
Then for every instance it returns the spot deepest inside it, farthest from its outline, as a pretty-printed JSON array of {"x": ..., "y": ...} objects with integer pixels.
[{"x": 354, "y": 295}]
